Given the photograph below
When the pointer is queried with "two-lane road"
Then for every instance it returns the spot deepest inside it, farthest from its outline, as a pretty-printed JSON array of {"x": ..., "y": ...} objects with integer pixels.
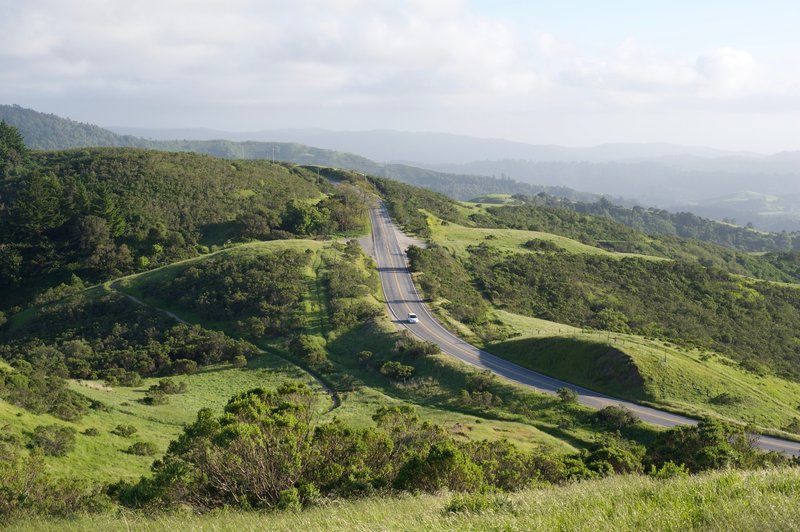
[{"x": 402, "y": 298}]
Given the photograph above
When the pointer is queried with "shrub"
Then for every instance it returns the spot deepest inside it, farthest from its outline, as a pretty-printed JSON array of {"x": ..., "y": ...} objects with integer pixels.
[
  {"x": 616, "y": 417},
  {"x": 184, "y": 366},
  {"x": 169, "y": 387},
  {"x": 397, "y": 371},
  {"x": 53, "y": 440},
  {"x": 537, "y": 244},
  {"x": 121, "y": 377},
  {"x": 154, "y": 397},
  {"x": 668, "y": 470},
  {"x": 309, "y": 348},
  {"x": 91, "y": 431},
  {"x": 365, "y": 357},
  {"x": 567, "y": 395},
  {"x": 125, "y": 431},
  {"x": 142, "y": 448},
  {"x": 445, "y": 466},
  {"x": 289, "y": 499},
  {"x": 239, "y": 361}
]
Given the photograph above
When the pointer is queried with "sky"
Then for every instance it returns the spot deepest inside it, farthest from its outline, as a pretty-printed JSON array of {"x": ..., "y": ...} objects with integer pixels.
[{"x": 576, "y": 73}]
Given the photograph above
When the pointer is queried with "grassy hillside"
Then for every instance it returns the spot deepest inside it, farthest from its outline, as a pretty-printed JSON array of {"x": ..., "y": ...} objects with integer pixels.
[
  {"x": 719, "y": 501},
  {"x": 692, "y": 381},
  {"x": 102, "y": 457},
  {"x": 481, "y": 291},
  {"x": 435, "y": 385}
]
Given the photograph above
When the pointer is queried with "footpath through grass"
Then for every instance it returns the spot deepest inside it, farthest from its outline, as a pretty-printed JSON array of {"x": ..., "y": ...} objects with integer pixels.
[{"x": 720, "y": 501}]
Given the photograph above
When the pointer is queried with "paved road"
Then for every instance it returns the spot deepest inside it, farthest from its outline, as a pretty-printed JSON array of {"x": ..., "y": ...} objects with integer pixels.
[{"x": 402, "y": 298}]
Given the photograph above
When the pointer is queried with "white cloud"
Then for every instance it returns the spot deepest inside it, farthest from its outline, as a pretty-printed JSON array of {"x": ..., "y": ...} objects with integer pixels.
[
  {"x": 413, "y": 64},
  {"x": 291, "y": 50},
  {"x": 727, "y": 72}
]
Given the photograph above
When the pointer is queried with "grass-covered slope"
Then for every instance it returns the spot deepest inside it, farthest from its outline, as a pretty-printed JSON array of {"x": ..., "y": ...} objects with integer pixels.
[
  {"x": 719, "y": 501},
  {"x": 101, "y": 457},
  {"x": 104, "y": 340},
  {"x": 693, "y": 381}
]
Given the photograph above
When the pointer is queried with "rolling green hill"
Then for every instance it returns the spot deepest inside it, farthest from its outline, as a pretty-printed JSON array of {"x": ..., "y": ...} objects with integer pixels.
[{"x": 83, "y": 216}]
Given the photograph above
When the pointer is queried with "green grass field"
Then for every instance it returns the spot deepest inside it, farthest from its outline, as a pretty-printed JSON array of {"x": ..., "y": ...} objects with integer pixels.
[
  {"x": 458, "y": 237},
  {"x": 720, "y": 501}
]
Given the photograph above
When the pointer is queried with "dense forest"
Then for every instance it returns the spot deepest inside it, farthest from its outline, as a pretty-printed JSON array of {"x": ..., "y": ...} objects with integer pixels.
[{"x": 109, "y": 337}]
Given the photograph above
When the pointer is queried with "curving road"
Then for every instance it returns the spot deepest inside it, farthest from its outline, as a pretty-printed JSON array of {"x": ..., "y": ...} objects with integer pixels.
[{"x": 402, "y": 298}]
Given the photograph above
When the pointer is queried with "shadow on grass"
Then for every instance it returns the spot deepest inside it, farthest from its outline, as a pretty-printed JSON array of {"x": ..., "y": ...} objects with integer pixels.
[{"x": 598, "y": 366}]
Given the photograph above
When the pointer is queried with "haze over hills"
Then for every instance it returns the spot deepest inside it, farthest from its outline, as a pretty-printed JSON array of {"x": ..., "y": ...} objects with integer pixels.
[
  {"x": 48, "y": 131},
  {"x": 432, "y": 148},
  {"x": 675, "y": 177},
  {"x": 671, "y": 176}
]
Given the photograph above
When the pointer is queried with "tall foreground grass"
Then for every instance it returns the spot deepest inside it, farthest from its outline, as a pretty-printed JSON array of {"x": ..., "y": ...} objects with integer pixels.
[{"x": 729, "y": 500}]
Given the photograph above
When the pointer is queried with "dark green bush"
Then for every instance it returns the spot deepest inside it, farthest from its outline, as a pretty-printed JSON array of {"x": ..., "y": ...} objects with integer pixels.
[
  {"x": 53, "y": 440},
  {"x": 125, "y": 431},
  {"x": 142, "y": 448}
]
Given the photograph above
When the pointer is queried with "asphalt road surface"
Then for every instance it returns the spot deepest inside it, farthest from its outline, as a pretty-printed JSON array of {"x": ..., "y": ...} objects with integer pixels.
[{"x": 402, "y": 298}]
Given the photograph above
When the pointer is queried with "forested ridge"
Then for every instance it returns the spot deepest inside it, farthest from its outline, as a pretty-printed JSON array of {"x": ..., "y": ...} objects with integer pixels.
[
  {"x": 92, "y": 214},
  {"x": 681, "y": 224}
]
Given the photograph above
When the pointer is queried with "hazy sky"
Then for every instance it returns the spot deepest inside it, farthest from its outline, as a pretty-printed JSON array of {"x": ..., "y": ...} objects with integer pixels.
[{"x": 717, "y": 73}]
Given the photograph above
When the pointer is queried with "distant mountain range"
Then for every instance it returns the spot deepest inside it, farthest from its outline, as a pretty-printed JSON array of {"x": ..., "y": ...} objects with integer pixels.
[
  {"x": 48, "y": 132},
  {"x": 438, "y": 148}
]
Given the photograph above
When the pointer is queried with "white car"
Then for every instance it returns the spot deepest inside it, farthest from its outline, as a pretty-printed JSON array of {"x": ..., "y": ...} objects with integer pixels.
[{"x": 412, "y": 318}]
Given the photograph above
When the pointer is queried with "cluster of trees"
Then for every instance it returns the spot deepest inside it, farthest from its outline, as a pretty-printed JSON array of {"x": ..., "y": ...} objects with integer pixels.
[
  {"x": 33, "y": 389},
  {"x": 262, "y": 292},
  {"x": 405, "y": 203},
  {"x": 264, "y": 451},
  {"x": 111, "y": 338},
  {"x": 682, "y": 224},
  {"x": 348, "y": 286},
  {"x": 755, "y": 322},
  {"x": 445, "y": 278}
]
